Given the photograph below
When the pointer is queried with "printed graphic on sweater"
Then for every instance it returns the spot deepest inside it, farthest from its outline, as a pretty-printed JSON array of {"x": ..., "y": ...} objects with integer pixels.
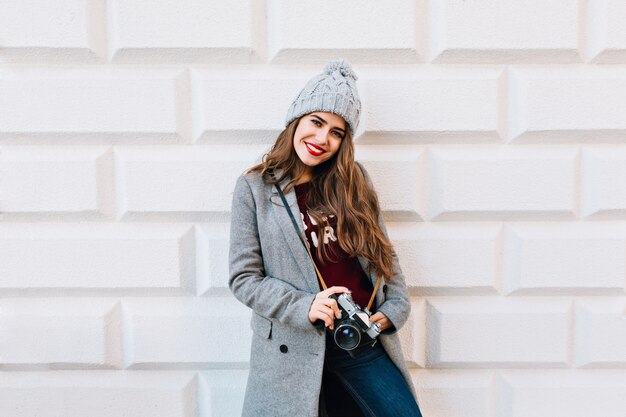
[{"x": 329, "y": 232}]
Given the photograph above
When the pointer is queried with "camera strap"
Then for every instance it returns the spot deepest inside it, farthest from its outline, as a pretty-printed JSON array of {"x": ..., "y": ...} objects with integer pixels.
[{"x": 319, "y": 275}]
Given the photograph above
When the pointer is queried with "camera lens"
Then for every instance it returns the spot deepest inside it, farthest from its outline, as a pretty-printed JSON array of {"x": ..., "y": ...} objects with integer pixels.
[{"x": 347, "y": 336}]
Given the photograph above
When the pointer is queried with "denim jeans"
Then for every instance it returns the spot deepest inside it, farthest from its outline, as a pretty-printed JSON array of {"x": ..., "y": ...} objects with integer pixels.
[{"x": 368, "y": 385}]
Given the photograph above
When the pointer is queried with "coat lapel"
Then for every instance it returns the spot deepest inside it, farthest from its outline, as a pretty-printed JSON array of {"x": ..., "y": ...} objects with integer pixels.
[{"x": 295, "y": 244}]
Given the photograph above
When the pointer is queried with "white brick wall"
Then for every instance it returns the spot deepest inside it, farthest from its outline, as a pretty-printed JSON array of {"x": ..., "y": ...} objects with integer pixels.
[
  {"x": 219, "y": 31},
  {"x": 368, "y": 32},
  {"x": 504, "y": 31},
  {"x": 41, "y": 31},
  {"x": 495, "y": 133}
]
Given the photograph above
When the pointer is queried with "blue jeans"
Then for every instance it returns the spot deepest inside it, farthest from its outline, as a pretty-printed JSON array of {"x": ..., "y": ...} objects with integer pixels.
[{"x": 368, "y": 385}]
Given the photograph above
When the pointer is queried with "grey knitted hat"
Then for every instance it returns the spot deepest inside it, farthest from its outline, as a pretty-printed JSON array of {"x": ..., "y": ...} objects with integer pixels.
[{"x": 333, "y": 91}]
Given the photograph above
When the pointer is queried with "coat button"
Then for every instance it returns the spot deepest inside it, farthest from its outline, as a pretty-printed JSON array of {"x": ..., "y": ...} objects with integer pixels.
[
  {"x": 385, "y": 288},
  {"x": 283, "y": 348}
]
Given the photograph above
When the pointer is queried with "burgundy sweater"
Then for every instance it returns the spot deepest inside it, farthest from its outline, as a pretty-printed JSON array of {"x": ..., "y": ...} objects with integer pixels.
[{"x": 341, "y": 269}]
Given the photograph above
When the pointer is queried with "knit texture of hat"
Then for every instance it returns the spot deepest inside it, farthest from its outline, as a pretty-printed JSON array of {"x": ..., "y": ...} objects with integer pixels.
[{"x": 333, "y": 91}]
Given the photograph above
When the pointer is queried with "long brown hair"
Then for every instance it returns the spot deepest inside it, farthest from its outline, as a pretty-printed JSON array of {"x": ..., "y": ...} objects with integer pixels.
[{"x": 338, "y": 187}]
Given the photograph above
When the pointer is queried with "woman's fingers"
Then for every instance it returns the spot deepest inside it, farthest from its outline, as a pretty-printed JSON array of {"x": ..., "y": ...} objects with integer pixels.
[
  {"x": 381, "y": 319},
  {"x": 322, "y": 312},
  {"x": 328, "y": 307},
  {"x": 331, "y": 303},
  {"x": 332, "y": 290},
  {"x": 325, "y": 308}
]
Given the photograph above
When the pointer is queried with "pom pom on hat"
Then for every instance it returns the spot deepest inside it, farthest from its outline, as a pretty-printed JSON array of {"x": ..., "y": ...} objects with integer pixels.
[
  {"x": 342, "y": 66},
  {"x": 333, "y": 91}
]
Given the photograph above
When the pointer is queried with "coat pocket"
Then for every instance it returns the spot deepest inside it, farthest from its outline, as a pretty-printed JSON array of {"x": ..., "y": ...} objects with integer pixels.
[{"x": 261, "y": 326}]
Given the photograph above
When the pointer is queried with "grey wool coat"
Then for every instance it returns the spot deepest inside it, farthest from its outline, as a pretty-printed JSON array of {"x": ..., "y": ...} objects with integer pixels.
[{"x": 271, "y": 272}]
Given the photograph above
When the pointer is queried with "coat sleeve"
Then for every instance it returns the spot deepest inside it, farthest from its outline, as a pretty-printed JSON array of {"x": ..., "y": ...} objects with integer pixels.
[
  {"x": 270, "y": 297},
  {"x": 397, "y": 304}
]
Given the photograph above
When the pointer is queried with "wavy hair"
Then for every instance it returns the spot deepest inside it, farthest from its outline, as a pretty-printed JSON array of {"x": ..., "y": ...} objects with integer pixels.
[{"x": 338, "y": 187}]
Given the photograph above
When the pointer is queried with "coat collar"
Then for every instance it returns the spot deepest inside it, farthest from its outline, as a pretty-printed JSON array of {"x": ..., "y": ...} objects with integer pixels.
[{"x": 291, "y": 236}]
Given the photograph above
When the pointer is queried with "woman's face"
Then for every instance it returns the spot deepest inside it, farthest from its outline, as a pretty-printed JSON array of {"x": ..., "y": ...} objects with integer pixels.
[{"x": 318, "y": 137}]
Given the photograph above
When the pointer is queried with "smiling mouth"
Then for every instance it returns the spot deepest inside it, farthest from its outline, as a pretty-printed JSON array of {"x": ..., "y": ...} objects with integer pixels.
[{"x": 313, "y": 149}]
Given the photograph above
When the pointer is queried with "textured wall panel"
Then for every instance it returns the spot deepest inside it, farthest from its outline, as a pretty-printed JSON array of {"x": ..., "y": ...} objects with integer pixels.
[
  {"x": 98, "y": 394},
  {"x": 60, "y": 333},
  {"x": 398, "y": 180},
  {"x": 504, "y": 31},
  {"x": 560, "y": 393},
  {"x": 241, "y": 108},
  {"x": 56, "y": 181},
  {"x": 96, "y": 256},
  {"x": 190, "y": 31},
  {"x": 212, "y": 246},
  {"x": 423, "y": 103},
  {"x": 39, "y": 31},
  {"x": 413, "y": 334},
  {"x": 362, "y": 31},
  {"x": 193, "y": 182},
  {"x": 566, "y": 104},
  {"x": 91, "y": 103},
  {"x": 603, "y": 190},
  {"x": 221, "y": 392},
  {"x": 564, "y": 258},
  {"x": 606, "y": 34},
  {"x": 176, "y": 332},
  {"x": 481, "y": 332},
  {"x": 439, "y": 259},
  {"x": 503, "y": 182},
  {"x": 600, "y": 333},
  {"x": 448, "y": 393}
]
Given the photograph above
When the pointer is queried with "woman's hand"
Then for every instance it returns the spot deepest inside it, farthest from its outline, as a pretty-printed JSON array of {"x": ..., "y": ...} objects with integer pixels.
[
  {"x": 325, "y": 308},
  {"x": 382, "y": 320}
]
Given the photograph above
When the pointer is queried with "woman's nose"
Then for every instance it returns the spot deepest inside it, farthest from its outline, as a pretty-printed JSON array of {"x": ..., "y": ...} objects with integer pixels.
[{"x": 322, "y": 135}]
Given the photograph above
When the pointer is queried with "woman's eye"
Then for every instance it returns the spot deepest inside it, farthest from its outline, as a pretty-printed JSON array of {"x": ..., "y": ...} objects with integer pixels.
[
  {"x": 316, "y": 122},
  {"x": 338, "y": 134}
]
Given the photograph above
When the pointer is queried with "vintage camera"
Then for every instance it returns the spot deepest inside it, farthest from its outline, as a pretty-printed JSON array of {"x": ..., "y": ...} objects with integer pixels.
[{"x": 354, "y": 328}]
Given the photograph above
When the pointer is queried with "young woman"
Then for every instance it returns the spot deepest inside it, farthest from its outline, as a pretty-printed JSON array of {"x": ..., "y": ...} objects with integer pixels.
[{"x": 296, "y": 366}]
